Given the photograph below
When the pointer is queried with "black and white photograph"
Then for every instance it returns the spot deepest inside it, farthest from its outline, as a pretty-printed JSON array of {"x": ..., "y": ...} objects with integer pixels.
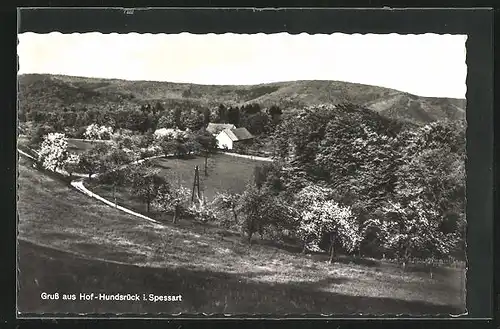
[{"x": 242, "y": 174}]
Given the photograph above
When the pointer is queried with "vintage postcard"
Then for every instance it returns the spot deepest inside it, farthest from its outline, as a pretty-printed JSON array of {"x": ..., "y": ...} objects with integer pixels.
[{"x": 237, "y": 174}]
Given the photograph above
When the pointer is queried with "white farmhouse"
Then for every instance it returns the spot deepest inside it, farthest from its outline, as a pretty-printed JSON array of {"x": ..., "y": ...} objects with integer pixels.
[
  {"x": 216, "y": 128},
  {"x": 228, "y": 138}
]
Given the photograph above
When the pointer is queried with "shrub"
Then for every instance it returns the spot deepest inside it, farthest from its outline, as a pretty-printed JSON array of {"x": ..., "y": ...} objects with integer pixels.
[{"x": 203, "y": 212}]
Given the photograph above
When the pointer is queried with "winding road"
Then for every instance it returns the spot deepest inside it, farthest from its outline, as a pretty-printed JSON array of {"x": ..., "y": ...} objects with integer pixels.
[{"x": 79, "y": 186}]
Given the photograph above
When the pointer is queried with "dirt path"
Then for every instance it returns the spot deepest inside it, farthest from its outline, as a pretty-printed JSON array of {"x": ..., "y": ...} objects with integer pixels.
[
  {"x": 79, "y": 186},
  {"x": 251, "y": 157}
]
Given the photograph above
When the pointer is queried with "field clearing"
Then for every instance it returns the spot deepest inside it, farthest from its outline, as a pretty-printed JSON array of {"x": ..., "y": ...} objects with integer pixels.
[
  {"x": 226, "y": 174},
  {"x": 80, "y": 146},
  {"x": 104, "y": 250}
]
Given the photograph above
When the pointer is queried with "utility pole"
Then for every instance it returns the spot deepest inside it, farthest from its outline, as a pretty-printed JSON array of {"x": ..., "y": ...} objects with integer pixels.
[
  {"x": 114, "y": 195},
  {"x": 206, "y": 162},
  {"x": 196, "y": 183}
]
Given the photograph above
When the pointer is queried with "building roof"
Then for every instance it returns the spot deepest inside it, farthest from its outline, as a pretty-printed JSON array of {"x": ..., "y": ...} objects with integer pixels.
[
  {"x": 238, "y": 134},
  {"x": 215, "y": 128}
]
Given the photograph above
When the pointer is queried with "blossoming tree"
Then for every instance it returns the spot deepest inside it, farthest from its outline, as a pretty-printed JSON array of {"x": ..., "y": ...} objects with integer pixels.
[
  {"x": 53, "y": 151},
  {"x": 322, "y": 217},
  {"x": 96, "y": 132},
  {"x": 412, "y": 229}
]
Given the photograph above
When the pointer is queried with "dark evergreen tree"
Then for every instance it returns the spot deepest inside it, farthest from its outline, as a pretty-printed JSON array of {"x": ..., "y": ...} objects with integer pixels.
[
  {"x": 206, "y": 116},
  {"x": 221, "y": 114},
  {"x": 233, "y": 116}
]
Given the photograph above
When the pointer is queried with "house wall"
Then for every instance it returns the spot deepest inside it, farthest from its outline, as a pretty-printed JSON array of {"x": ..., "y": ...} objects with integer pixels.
[{"x": 223, "y": 141}]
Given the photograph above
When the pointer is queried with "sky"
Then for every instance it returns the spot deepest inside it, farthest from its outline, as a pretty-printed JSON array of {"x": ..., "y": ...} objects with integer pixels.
[{"x": 425, "y": 65}]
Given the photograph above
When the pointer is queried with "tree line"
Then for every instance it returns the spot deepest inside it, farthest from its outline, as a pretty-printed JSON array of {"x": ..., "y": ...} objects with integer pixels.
[
  {"x": 149, "y": 117},
  {"x": 395, "y": 189}
]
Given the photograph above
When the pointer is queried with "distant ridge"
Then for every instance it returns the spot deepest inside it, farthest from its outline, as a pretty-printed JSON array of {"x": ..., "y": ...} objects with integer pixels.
[{"x": 55, "y": 91}]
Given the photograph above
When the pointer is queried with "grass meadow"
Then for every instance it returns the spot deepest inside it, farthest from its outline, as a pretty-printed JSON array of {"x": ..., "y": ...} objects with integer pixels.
[
  {"x": 79, "y": 146},
  {"x": 69, "y": 243},
  {"x": 225, "y": 174}
]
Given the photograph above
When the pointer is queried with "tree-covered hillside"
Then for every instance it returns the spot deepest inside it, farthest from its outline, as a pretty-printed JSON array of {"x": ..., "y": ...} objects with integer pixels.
[{"x": 42, "y": 92}]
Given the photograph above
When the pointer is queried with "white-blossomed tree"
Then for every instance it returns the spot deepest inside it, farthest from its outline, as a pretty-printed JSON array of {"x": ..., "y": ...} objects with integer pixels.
[
  {"x": 413, "y": 228},
  {"x": 323, "y": 217},
  {"x": 53, "y": 151},
  {"x": 97, "y": 132},
  {"x": 203, "y": 211}
]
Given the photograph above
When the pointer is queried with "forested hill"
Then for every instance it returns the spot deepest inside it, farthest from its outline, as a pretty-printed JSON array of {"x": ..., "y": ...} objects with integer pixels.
[{"x": 45, "y": 92}]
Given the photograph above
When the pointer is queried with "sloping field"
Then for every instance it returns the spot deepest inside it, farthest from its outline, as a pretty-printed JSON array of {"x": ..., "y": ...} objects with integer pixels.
[
  {"x": 70, "y": 244},
  {"x": 52, "y": 213}
]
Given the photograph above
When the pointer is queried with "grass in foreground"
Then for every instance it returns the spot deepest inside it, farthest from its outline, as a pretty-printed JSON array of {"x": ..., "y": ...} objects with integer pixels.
[
  {"x": 45, "y": 269},
  {"x": 213, "y": 275}
]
